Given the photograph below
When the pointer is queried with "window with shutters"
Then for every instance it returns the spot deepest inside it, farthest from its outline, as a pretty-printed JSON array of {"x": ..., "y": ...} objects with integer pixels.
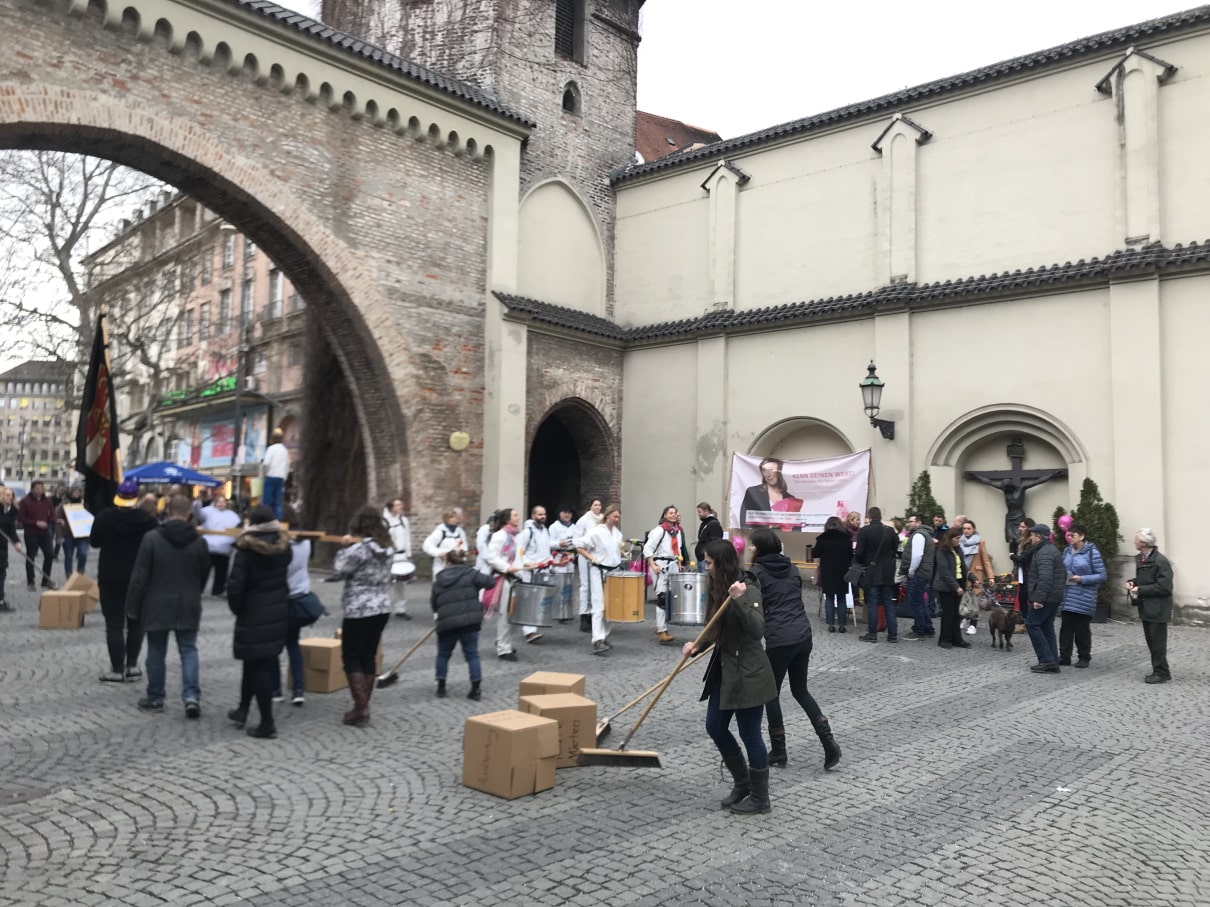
[{"x": 569, "y": 29}]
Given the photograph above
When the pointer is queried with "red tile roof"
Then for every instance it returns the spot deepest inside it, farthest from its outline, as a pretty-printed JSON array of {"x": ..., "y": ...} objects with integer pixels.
[{"x": 655, "y": 137}]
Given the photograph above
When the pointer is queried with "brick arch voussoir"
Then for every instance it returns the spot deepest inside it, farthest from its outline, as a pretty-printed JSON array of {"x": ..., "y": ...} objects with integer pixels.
[{"x": 244, "y": 192}]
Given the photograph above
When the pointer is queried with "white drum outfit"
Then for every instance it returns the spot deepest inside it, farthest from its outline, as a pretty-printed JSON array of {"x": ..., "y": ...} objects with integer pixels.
[
  {"x": 402, "y": 568},
  {"x": 604, "y": 544},
  {"x": 667, "y": 549}
]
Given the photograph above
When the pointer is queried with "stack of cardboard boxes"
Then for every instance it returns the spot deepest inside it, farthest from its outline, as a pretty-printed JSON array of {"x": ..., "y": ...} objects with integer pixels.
[
  {"x": 64, "y": 609},
  {"x": 516, "y": 752},
  {"x": 323, "y": 669}
]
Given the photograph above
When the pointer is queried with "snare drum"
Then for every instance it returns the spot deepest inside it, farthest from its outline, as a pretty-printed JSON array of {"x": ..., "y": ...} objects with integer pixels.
[
  {"x": 625, "y": 592},
  {"x": 563, "y": 607}
]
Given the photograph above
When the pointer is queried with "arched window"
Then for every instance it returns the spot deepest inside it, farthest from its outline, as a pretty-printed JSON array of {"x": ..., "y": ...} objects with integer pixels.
[
  {"x": 571, "y": 98},
  {"x": 569, "y": 29}
]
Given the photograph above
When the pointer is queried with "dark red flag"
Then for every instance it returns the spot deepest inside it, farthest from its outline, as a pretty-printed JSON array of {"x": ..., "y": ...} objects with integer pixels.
[{"x": 97, "y": 431}]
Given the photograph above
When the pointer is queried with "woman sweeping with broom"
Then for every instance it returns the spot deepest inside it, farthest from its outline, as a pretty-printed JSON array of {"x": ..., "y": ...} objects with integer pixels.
[{"x": 739, "y": 680}]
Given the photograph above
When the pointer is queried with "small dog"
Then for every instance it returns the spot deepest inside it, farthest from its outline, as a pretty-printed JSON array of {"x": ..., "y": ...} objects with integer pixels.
[{"x": 1004, "y": 623}]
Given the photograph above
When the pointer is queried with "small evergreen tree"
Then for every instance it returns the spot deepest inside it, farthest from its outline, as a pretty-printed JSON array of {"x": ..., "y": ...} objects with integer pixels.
[
  {"x": 1059, "y": 537},
  {"x": 921, "y": 500}
]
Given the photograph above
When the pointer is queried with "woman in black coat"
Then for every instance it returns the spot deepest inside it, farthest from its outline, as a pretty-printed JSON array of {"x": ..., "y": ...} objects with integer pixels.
[
  {"x": 258, "y": 595},
  {"x": 787, "y": 644},
  {"x": 948, "y": 583},
  {"x": 834, "y": 553},
  {"x": 455, "y": 600}
]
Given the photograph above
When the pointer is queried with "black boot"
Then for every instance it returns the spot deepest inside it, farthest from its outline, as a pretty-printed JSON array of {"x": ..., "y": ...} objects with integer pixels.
[
  {"x": 757, "y": 800},
  {"x": 238, "y": 716},
  {"x": 474, "y": 693},
  {"x": 777, "y": 747},
  {"x": 739, "y": 774},
  {"x": 441, "y": 689},
  {"x": 831, "y": 749}
]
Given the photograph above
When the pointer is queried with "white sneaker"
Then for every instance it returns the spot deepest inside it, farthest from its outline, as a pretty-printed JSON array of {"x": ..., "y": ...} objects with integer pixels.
[
  {"x": 298, "y": 699},
  {"x": 279, "y": 698},
  {"x": 965, "y": 623},
  {"x": 971, "y": 631}
]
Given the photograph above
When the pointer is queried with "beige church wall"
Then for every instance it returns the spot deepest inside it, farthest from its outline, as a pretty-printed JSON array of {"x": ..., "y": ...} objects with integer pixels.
[
  {"x": 1184, "y": 138},
  {"x": 661, "y": 242},
  {"x": 659, "y": 425},
  {"x": 1185, "y": 326},
  {"x": 560, "y": 257},
  {"x": 809, "y": 205},
  {"x": 1018, "y": 177}
]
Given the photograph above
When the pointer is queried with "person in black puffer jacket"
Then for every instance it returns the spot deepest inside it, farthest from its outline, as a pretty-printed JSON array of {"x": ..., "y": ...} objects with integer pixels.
[
  {"x": 459, "y": 613},
  {"x": 117, "y": 533},
  {"x": 787, "y": 644},
  {"x": 258, "y": 595}
]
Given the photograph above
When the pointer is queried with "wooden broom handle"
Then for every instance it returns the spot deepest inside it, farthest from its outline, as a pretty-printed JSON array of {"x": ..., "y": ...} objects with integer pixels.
[
  {"x": 408, "y": 654},
  {"x": 684, "y": 660},
  {"x": 655, "y": 686}
]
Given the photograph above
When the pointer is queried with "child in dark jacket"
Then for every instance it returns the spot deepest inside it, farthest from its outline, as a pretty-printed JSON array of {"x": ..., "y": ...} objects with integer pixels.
[{"x": 459, "y": 615}]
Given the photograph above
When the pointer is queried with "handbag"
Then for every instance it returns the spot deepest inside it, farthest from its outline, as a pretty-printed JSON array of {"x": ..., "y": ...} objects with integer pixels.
[{"x": 305, "y": 610}]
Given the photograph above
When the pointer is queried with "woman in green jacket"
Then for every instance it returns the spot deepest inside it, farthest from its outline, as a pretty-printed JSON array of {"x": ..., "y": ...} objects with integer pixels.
[
  {"x": 1151, "y": 593},
  {"x": 739, "y": 680}
]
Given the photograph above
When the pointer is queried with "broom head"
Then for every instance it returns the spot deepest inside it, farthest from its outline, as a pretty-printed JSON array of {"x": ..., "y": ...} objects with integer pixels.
[
  {"x": 619, "y": 758},
  {"x": 385, "y": 680},
  {"x": 603, "y": 730}
]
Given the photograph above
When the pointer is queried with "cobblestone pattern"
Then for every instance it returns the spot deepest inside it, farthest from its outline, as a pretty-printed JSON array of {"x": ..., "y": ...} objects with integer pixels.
[{"x": 965, "y": 780}]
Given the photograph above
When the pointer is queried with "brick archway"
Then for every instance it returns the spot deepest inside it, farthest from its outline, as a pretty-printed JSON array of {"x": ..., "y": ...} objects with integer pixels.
[{"x": 572, "y": 458}]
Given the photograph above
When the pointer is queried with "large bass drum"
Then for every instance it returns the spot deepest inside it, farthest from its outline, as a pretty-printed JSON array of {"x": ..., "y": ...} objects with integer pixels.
[
  {"x": 530, "y": 604},
  {"x": 625, "y": 592},
  {"x": 687, "y": 595},
  {"x": 564, "y": 585}
]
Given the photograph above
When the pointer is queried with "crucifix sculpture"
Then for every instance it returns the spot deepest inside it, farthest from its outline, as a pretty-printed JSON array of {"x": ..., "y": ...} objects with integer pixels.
[{"x": 1013, "y": 483}]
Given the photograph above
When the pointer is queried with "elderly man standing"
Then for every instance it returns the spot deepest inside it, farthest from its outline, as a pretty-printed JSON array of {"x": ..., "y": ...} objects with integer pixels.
[
  {"x": 36, "y": 515},
  {"x": 276, "y": 465},
  {"x": 1047, "y": 581},
  {"x": 165, "y": 595},
  {"x": 916, "y": 562}
]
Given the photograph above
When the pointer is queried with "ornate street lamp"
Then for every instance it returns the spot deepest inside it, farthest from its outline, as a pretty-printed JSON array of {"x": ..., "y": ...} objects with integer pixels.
[{"x": 871, "y": 397}]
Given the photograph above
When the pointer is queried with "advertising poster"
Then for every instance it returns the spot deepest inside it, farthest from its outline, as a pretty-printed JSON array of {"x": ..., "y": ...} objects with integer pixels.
[{"x": 796, "y": 495}]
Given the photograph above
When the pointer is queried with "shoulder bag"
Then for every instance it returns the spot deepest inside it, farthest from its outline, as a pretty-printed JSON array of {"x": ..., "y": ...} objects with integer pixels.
[{"x": 856, "y": 573}]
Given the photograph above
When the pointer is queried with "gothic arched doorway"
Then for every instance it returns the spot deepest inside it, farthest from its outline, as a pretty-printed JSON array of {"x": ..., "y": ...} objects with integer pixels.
[{"x": 571, "y": 459}]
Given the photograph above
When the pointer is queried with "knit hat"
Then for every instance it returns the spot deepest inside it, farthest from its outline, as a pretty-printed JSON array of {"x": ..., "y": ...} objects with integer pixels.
[
  {"x": 1040, "y": 529},
  {"x": 128, "y": 493}
]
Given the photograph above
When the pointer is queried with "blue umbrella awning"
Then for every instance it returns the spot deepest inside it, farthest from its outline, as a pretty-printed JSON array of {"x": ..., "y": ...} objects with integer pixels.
[{"x": 170, "y": 474}]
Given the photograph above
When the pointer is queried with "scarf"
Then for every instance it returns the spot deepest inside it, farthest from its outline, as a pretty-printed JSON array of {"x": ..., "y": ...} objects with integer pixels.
[
  {"x": 970, "y": 546},
  {"x": 271, "y": 526},
  {"x": 674, "y": 531},
  {"x": 957, "y": 565},
  {"x": 510, "y": 543}
]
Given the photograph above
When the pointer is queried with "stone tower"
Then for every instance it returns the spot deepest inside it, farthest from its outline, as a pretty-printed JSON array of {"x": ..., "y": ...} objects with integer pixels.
[{"x": 569, "y": 65}]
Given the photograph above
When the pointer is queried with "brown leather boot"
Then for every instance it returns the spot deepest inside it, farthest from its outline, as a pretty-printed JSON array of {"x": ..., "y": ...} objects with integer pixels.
[
  {"x": 665, "y": 638},
  {"x": 359, "y": 714}
]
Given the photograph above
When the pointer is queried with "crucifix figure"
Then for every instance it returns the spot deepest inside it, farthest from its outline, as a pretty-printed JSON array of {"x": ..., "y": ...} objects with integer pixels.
[{"x": 1014, "y": 483}]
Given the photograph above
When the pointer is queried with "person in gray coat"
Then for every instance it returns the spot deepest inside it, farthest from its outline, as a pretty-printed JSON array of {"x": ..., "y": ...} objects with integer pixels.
[
  {"x": 165, "y": 594},
  {"x": 1151, "y": 593},
  {"x": 1047, "y": 582}
]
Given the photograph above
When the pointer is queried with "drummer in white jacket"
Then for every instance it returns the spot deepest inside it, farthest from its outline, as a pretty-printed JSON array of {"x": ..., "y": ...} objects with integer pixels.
[
  {"x": 591, "y": 519},
  {"x": 533, "y": 551},
  {"x": 602, "y": 548},
  {"x": 665, "y": 551},
  {"x": 447, "y": 536},
  {"x": 504, "y": 556},
  {"x": 402, "y": 567}
]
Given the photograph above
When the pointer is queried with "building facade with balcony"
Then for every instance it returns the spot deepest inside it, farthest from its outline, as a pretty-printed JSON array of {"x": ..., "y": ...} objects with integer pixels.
[
  {"x": 37, "y": 431},
  {"x": 194, "y": 304}
]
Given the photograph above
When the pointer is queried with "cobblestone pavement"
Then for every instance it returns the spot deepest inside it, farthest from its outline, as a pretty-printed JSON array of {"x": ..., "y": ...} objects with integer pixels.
[{"x": 965, "y": 780}]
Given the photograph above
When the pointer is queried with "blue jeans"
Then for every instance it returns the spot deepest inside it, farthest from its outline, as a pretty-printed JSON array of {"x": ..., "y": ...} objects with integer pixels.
[
  {"x": 885, "y": 596},
  {"x": 157, "y": 654},
  {"x": 446, "y": 642},
  {"x": 80, "y": 548},
  {"x": 916, "y": 587},
  {"x": 718, "y": 726},
  {"x": 294, "y": 654},
  {"x": 1040, "y": 625},
  {"x": 273, "y": 494}
]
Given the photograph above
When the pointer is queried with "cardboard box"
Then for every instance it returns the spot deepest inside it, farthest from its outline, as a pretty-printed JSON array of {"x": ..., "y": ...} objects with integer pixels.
[
  {"x": 60, "y": 610},
  {"x": 540, "y": 683},
  {"x": 78, "y": 582},
  {"x": 510, "y": 753},
  {"x": 323, "y": 668},
  {"x": 577, "y": 719}
]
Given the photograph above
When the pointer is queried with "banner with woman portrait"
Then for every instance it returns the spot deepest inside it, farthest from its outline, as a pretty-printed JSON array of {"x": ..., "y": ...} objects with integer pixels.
[{"x": 796, "y": 495}]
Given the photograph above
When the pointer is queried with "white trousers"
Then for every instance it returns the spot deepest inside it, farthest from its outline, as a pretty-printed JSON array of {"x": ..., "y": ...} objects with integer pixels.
[
  {"x": 586, "y": 568},
  {"x": 596, "y": 585},
  {"x": 504, "y": 630},
  {"x": 399, "y": 595},
  {"x": 661, "y": 588}
]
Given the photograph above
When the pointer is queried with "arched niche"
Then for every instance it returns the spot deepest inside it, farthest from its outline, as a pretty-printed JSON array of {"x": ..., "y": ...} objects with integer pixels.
[
  {"x": 801, "y": 438},
  {"x": 572, "y": 458},
  {"x": 561, "y": 257}
]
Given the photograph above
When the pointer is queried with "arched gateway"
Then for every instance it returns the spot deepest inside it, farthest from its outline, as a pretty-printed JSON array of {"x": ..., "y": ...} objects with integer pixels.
[{"x": 325, "y": 157}]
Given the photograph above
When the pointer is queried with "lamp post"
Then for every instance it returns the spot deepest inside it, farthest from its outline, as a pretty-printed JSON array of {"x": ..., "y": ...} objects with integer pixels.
[
  {"x": 240, "y": 379},
  {"x": 871, "y": 397}
]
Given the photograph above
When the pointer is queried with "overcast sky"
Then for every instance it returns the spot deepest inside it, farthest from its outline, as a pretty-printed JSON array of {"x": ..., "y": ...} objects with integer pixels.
[{"x": 736, "y": 67}]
